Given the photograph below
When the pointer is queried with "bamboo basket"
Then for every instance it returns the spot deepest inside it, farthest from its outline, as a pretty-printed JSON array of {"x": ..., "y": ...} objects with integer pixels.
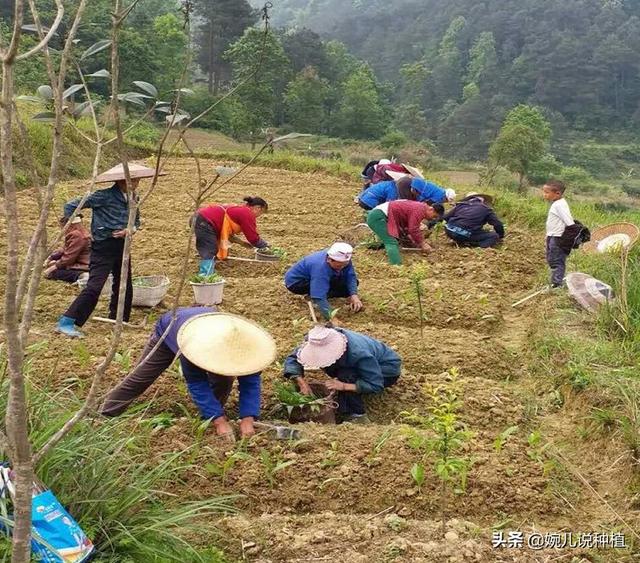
[
  {"x": 599, "y": 235},
  {"x": 151, "y": 294}
]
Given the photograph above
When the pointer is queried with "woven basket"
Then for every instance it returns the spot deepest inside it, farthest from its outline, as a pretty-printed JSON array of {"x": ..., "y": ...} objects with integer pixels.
[
  {"x": 152, "y": 292},
  {"x": 597, "y": 236}
]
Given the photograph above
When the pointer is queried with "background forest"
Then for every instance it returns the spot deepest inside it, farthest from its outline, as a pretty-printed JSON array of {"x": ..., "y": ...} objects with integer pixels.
[{"x": 442, "y": 74}]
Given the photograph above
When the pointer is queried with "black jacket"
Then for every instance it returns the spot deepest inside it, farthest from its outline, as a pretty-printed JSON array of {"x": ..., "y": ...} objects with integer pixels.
[
  {"x": 573, "y": 236},
  {"x": 472, "y": 215}
]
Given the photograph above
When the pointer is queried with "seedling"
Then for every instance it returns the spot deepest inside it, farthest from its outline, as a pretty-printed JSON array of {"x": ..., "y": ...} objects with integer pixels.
[
  {"x": 160, "y": 422},
  {"x": 223, "y": 468},
  {"x": 274, "y": 251},
  {"x": 373, "y": 459},
  {"x": 330, "y": 460},
  {"x": 208, "y": 278},
  {"x": 273, "y": 464},
  {"x": 503, "y": 438},
  {"x": 417, "y": 274},
  {"x": 123, "y": 359},
  {"x": 417, "y": 473},
  {"x": 444, "y": 442},
  {"x": 289, "y": 398}
]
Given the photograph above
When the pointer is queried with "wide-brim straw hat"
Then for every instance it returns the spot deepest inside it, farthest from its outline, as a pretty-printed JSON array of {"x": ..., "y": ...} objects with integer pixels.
[
  {"x": 588, "y": 291},
  {"x": 486, "y": 197},
  {"x": 323, "y": 347},
  {"x": 611, "y": 238},
  {"x": 135, "y": 171},
  {"x": 395, "y": 176},
  {"x": 415, "y": 172},
  {"x": 226, "y": 344}
]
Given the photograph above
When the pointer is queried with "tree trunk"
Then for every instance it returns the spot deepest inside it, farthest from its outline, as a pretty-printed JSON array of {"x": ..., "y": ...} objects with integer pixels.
[
  {"x": 211, "y": 55},
  {"x": 16, "y": 421},
  {"x": 521, "y": 187}
]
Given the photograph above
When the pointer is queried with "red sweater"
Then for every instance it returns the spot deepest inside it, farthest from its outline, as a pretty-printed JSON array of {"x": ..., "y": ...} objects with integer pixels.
[
  {"x": 239, "y": 214},
  {"x": 75, "y": 253},
  {"x": 405, "y": 218}
]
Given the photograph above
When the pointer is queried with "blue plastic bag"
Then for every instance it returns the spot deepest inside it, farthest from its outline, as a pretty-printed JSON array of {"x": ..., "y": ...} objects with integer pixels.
[{"x": 56, "y": 536}]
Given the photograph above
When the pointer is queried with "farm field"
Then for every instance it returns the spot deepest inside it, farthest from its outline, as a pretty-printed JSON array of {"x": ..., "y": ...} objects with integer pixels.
[{"x": 348, "y": 494}]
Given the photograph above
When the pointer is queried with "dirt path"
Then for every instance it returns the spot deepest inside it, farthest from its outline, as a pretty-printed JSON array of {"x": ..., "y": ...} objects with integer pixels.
[{"x": 349, "y": 495}]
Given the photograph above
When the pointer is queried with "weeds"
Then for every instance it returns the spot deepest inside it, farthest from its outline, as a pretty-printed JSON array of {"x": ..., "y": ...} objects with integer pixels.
[
  {"x": 123, "y": 359},
  {"x": 223, "y": 468}
]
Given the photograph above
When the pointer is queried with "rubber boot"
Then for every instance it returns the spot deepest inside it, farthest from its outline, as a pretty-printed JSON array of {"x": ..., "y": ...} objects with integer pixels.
[
  {"x": 66, "y": 326},
  {"x": 206, "y": 267}
]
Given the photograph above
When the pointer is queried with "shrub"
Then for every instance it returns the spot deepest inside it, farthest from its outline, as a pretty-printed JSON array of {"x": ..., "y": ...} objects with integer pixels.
[{"x": 393, "y": 140}]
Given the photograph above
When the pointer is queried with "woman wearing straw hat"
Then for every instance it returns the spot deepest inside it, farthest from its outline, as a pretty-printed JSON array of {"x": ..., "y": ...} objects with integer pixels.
[
  {"x": 109, "y": 219},
  {"x": 215, "y": 348},
  {"x": 326, "y": 274},
  {"x": 358, "y": 364}
]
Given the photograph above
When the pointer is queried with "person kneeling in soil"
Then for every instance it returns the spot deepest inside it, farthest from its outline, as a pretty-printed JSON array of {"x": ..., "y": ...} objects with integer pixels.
[
  {"x": 214, "y": 348},
  {"x": 402, "y": 219},
  {"x": 465, "y": 221},
  {"x": 216, "y": 226},
  {"x": 71, "y": 262},
  {"x": 359, "y": 365},
  {"x": 326, "y": 274}
]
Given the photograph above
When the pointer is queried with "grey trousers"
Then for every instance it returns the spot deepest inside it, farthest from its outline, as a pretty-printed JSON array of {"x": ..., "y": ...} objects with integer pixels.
[
  {"x": 143, "y": 376},
  {"x": 557, "y": 260}
]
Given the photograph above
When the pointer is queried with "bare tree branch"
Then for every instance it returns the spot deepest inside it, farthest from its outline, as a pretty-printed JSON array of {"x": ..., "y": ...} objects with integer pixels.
[{"x": 44, "y": 41}]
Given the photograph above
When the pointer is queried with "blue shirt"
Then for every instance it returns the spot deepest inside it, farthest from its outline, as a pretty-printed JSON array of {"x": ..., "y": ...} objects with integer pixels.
[
  {"x": 368, "y": 360},
  {"x": 379, "y": 193},
  {"x": 110, "y": 212},
  {"x": 428, "y": 191},
  {"x": 183, "y": 314},
  {"x": 315, "y": 270},
  {"x": 198, "y": 380}
]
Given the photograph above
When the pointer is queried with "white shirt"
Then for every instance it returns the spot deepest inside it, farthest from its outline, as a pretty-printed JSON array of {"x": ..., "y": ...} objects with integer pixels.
[
  {"x": 559, "y": 217},
  {"x": 384, "y": 207}
]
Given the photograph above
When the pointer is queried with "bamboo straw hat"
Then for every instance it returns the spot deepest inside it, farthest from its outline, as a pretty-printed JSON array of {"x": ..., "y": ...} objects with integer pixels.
[
  {"x": 226, "y": 344},
  {"x": 135, "y": 171},
  {"x": 612, "y": 237},
  {"x": 588, "y": 291}
]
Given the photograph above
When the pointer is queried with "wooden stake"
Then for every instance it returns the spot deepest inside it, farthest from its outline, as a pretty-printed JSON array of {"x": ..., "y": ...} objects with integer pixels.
[
  {"x": 524, "y": 300},
  {"x": 112, "y": 321},
  {"x": 313, "y": 312}
]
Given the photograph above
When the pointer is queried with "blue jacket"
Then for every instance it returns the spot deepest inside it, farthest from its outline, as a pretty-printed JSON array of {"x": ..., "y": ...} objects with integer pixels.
[
  {"x": 314, "y": 270},
  {"x": 428, "y": 191},
  {"x": 379, "y": 193},
  {"x": 110, "y": 212},
  {"x": 471, "y": 215},
  {"x": 199, "y": 381},
  {"x": 367, "y": 359}
]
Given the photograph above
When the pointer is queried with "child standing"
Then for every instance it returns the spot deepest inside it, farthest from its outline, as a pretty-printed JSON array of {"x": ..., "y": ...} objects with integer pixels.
[{"x": 558, "y": 219}]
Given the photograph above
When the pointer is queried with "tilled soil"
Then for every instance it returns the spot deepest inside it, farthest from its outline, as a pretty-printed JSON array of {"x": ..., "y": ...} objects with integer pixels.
[{"x": 323, "y": 504}]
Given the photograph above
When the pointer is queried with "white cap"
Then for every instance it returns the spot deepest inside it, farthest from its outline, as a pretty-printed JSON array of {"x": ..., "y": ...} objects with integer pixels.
[
  {"x": 451, "y": 194},
  {"x": 340, "y": 252},
  {"x": 382, "y": 162}
]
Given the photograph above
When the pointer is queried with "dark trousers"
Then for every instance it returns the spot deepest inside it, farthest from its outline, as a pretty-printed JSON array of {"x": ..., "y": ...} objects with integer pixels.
[
  {"x": 106, "y": 258},
  {"x": 557, "y": 260},
  {"x": 350, "y": 403},
  {"x": 143, "y": 376},
  {"x": 206, "y": 238},
  {"x": 365, "y": 206},
  {"x": 482, "y": 239},
  {"x": 338, "y": 288},
  {"x": 62, "y": 274}
]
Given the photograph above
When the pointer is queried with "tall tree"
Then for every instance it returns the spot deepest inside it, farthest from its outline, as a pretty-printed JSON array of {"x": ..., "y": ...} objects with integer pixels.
[
  {"x": 305, "y": 100},
  {"x": 220, "y": 23},
  {"x": 360, "y": 113},
  {"x": 260, "y": 96}
]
